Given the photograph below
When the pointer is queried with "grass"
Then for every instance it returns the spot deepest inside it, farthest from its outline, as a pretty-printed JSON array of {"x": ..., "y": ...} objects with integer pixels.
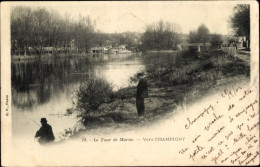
[{"x": 169, "y": 85}]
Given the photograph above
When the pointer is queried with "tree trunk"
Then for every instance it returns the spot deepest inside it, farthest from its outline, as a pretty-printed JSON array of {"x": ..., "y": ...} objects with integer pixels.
[{"x": 248, "y": 42}]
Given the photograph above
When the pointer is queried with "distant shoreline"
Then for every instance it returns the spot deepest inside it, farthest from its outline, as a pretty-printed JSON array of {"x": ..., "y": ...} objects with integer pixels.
[
  {"x": 46, "y": 56},
  {"x": 50, "y": 56},
  {"x": 162, "y": 51}
]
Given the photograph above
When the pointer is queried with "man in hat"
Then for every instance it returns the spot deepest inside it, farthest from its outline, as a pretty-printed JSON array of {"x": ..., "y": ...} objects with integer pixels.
[
  {"x": 45, "y": 133},
  {"x": 142, "y": 92}
]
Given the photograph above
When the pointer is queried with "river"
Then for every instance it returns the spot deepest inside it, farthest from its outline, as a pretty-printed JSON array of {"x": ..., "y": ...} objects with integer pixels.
[{"x": 45, "y": 88}]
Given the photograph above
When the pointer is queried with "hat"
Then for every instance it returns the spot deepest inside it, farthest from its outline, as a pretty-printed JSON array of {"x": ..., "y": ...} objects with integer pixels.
[{"x": 43, "y": 120}]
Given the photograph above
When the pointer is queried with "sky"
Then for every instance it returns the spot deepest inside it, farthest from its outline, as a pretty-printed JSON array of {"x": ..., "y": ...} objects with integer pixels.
[{"x": 130, "y": 16}]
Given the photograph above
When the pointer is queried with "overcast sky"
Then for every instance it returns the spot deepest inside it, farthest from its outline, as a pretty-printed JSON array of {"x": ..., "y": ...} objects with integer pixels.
[{"x": 133, "y": 16}]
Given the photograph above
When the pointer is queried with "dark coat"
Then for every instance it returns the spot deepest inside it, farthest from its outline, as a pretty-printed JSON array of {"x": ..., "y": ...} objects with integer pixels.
[
  {"x": 142, "y": 89},
  {"x": 45, "y": 133},
  {"x": 142, "y": 92}
]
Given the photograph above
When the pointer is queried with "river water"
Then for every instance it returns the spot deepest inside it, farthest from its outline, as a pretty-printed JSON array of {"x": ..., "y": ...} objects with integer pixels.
[{"x": 45, "y": 88}]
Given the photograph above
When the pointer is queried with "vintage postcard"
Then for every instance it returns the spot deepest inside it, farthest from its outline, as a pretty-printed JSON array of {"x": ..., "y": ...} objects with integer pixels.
[{"x": 130, "y": 83}]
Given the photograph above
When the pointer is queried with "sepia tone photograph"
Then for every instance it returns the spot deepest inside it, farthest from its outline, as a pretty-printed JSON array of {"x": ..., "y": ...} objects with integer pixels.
[{"x": 130, "y": 83}]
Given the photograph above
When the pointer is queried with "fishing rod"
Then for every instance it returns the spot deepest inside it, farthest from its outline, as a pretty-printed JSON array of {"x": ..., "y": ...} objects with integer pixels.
[
  {"x": 33, "y": 121},
  {"x": 29, "y": 119}
]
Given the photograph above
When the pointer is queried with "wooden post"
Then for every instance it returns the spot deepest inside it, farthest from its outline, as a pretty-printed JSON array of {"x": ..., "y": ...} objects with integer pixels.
[{"x": 199, "y": 48}]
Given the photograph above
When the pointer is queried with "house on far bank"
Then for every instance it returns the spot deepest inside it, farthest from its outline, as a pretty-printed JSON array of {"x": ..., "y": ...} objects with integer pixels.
[
  {"x": 229, "y": 39},
  {"x": 110, "y": 50},
  {"x": 122, "y": 49},
  {"x": 134, "y": 49},
  {"x": 99, "y": 50}
]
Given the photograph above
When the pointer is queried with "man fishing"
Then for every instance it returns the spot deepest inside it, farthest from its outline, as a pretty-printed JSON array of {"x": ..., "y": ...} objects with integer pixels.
[
  {"x": 142, "y": 92},
  {"x": 45, "y": 132}
]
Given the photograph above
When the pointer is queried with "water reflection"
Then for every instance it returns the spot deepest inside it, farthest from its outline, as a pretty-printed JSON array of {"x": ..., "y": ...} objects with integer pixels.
[{"x": 37, "y": 82}]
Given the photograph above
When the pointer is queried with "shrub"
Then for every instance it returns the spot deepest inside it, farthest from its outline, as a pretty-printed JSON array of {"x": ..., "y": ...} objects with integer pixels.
[
  {"x": 215, "y": 41},
  {"x": 124, "y": 93},
  {"x": 90, "y": 95}
]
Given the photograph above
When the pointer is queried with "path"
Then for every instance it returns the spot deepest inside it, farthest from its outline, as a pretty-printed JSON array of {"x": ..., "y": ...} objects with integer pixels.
[{"x": 243, "y": 55}]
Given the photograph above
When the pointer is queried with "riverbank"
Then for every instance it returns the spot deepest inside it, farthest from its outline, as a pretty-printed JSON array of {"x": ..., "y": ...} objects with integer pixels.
[
  {"x": 46, "y": 56},
  {"x": 171, "y": 87},
  {"x": 162, "y": 51},
  {"x": 50, "y": 56}
]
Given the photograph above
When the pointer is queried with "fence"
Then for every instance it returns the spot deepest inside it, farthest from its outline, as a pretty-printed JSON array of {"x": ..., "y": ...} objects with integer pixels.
[{"x": 231, "y": 50}]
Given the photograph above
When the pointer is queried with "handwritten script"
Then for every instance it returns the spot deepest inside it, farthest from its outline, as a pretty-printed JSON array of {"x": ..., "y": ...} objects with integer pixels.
[{"x": 225, "y": 131}]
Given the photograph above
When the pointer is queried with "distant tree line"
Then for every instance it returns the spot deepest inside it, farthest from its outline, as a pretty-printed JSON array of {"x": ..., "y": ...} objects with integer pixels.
[
  {"x": 160, "y": 36},
  {"x": 202, "y": 35},
  {"x": 239, "y": 21},
  {"x": 38, "y": 28}
]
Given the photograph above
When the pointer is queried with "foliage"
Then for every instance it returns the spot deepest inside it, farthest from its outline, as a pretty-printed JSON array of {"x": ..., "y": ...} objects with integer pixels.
[
  {"x": 95, "y": 101},
  {"x": 160, "y": 36},
  {"x": 203, "y": 34},
  {"x": 125, "y": 93},
  {"x": 240, "y": 21},
  {"x": 209, "y": 67},
  {"x": 38, "y": 28},
  {"x": 90, "y": 96},
  {"x": 215, "y": 41},
  {"x": 193, "y": 37}
]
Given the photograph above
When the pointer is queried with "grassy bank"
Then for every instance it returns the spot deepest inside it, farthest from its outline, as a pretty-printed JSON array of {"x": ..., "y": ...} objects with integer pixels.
[{"x": 171, "y": 86}]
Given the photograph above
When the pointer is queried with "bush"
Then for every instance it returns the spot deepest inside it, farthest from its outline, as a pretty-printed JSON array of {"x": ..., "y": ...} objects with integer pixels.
[
  {"x": 125, "y": 93},
  {"x": 215, "y": 41},
  {"x": 90, "y": 95}
]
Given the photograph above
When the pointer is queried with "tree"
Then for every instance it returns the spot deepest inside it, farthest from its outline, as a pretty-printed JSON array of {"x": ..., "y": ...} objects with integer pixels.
[
  {"x": 193, "y": 37},
  {"x": 215, "y": 41},
  {"x": 41, "y": 27},
  {"x": 84, "y": 33},
  {"x": 240, "y": 21},
  {"x": 160, "y": 36},
  {"x": 203, "y": 34},
  {"x": 41, "y": 23},
  {"x": 21, "y": 28}
]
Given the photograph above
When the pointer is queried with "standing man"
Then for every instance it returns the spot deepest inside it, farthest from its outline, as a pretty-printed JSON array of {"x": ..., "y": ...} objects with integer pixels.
[
  {"x": 142, "y": 92},
  {"x": 45, "y": 133}
]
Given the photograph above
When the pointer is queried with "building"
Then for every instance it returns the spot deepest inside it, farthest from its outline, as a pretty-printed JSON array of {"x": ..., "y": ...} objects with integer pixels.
[{"x": 99, "y": 50}]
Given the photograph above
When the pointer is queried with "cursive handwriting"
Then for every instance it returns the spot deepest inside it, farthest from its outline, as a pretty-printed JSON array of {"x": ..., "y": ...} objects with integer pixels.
[
  {"x": 252, "y": 127},
  {"x": 196, "y": 151},
  {"x": 246, "y": 93},
  {"x": 215, "y": 159},
  {"x": 206, "y": 110},
  {"x": 213, "y": 121},
  {"x": 230, "y": 129},
  {"x": 230, "y": 92},
  {"x": 215, "y": 134}
]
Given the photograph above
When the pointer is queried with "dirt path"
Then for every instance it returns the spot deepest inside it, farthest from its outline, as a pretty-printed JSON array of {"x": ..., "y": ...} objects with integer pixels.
[{"x": 243, "y": 55}]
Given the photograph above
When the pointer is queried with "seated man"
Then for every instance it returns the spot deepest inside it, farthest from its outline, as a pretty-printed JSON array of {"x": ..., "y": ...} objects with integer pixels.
[{"x": 45, "y": 133}]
